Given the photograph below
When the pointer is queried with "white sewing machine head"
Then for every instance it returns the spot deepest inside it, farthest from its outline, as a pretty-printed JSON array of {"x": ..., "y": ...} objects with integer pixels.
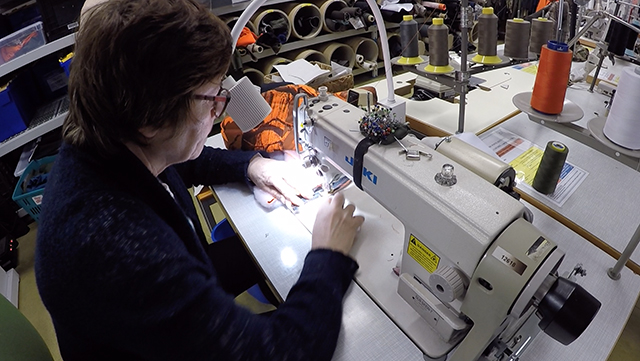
[{"x": 472, "y": 266}]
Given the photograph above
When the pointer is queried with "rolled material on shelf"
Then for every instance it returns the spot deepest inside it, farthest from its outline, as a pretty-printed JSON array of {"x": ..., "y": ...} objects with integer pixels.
[
  {"x": 255, "y": 76},
  {"x": 327, "y": 7},
  {"x": 366, "y": 50},
  {"x": 623, "y": 125},
  {"x": 308, "y": 55},
  {"x": 395, "y": 46},
  {"x": 516, "y": 43},
  {"x": 266, "y": 66},
  {"x": 541, "y": 31},
  {"x": 305, "y": 20},
  {"x": 274, "y": 20},
  {"x": 231, "y": 21},
  {"x": 339, "y": 53}
]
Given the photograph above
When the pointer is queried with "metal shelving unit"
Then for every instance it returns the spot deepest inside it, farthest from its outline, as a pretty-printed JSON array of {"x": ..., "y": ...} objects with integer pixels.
[
  {"x": 38, "y": 127},
  {"x": 227, "y": 9},
  {"x": 36, "y": 54},
  {"x": 299, "y": 44}
]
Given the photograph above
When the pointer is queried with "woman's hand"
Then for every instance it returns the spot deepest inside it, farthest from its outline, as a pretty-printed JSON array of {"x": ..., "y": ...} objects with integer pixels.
[
  {"x": 335, "y": 227},
  {"x": 285, "y": 181}
]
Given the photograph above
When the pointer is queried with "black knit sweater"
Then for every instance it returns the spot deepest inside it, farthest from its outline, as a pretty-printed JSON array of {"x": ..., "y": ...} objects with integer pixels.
[{"x": 124, "y": 274}]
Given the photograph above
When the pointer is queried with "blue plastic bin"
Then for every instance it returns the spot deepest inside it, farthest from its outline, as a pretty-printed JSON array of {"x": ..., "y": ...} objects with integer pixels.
[
  {"x": 31, "y": 201},
  {"x": 223, "y": 230}
]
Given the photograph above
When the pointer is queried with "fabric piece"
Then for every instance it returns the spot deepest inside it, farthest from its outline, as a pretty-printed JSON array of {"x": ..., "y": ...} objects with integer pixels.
[
  {"x": 276, "y": 132},
  {"x": 247, "y": 37}
]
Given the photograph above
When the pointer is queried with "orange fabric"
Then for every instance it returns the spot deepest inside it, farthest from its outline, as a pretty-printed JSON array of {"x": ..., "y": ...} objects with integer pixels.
[
  {"x": 8, "y": 52},
  {"x": 542, "y": 4},
  {"x": 247, "y": 37},
  {"x": 275, "y": 133}
]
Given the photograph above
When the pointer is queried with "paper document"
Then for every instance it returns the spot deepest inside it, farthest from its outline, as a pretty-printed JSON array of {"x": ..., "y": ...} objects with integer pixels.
[
  {"x": 299, "y": 71},
  {"x": 524, "y": 157}
]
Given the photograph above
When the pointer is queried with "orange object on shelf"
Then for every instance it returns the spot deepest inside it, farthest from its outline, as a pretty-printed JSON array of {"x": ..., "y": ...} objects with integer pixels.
[
  {"x": 552, "y": 79},
  {"x": 247, "y": 37},
  {"x": 9, "y": 51}
]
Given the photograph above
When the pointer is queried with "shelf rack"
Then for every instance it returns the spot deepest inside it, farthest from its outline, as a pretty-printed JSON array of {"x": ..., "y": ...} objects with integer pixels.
[{"x": 42, "y": 126}]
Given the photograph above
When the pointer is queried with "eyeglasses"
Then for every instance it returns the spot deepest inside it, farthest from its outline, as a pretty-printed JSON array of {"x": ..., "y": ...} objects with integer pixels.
[{"x": 220, "y": 101}]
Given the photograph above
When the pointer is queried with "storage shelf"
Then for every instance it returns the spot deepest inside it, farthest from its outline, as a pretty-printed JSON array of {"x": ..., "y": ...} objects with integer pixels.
[
  {"x": 320, "y": 39},
  {"x": 227, "y": 9},
  {"x": 36, "y": 54},
  {"x": 358, "y": 71},
  {"x": 38, "y": 127}
]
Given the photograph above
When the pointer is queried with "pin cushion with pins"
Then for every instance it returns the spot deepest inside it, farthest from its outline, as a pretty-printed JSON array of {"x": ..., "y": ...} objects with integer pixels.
[{"x": 381, "y": 126}]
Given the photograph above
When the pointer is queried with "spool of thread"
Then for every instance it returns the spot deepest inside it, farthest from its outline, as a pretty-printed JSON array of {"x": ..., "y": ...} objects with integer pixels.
[
  {"x": 438, "y": 47},
  {"x": 516, "y": 43},
  {"x": 552, "y": 79},
  {"x": 409, "y": 41},
  {"x": 541, "y": 32},
  {"x": 487, "y": 38},
  {"x": 623, "y": 124},
  {"x": 409, "y": 36},
  {"x": 550, "y": 168}
]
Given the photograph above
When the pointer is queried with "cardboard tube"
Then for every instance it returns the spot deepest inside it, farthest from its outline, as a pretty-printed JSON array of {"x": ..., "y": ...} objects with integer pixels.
[
  {"x": 308, "y": 55},
  {"x": 254, "y": 75},
  {"x": 231, "y": 21},
  {"x": 365, "y": 47},
  {"x": 266, "y": 66},
  {"x": 269, "y": 14},
  {"x": 326, "y": 6},
  {"x": 340, "y": 52},
  {"x": 394, "y": 41},
  {"x": 300, "y": 12}
]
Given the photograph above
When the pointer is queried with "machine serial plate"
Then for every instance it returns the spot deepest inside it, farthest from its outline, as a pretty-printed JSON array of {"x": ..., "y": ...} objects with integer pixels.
[
  {"x": 422, "y": 254},
  {"x": 509, "y": 260}
]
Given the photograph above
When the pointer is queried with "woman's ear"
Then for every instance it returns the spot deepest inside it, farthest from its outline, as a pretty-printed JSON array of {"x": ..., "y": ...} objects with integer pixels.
[{"x": 149, "y": 133}]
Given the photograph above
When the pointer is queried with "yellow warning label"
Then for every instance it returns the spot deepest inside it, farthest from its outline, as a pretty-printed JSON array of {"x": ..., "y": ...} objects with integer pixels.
[{"x": 422, "y": 254}]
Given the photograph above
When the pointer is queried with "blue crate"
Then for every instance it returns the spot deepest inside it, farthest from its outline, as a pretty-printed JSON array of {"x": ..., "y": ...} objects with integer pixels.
[{"x": 31, "y": 201}]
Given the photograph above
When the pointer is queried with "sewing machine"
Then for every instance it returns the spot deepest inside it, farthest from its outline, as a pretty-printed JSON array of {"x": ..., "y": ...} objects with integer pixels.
[{"x": 484, "y": 278}]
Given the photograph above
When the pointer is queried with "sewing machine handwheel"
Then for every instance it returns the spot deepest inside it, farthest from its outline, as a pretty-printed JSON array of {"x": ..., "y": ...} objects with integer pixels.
[{"x": 566, "y": 311}]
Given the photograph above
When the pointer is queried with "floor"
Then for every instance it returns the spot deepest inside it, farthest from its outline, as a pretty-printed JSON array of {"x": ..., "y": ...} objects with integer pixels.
[{"x": 627, "y": 349}]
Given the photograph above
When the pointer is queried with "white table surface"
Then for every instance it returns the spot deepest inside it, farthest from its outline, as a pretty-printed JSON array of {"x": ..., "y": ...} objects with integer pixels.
[
  {"x": 606, "y": 202},
  {"x": 279, "y": 243}
]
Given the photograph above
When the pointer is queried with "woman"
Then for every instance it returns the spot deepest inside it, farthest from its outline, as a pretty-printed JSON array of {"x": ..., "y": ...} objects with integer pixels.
[{"x": 120, "y": 260}]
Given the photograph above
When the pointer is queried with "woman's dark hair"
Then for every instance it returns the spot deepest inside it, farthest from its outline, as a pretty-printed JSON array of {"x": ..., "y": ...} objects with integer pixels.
[{"x": 137, "y": 64}]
